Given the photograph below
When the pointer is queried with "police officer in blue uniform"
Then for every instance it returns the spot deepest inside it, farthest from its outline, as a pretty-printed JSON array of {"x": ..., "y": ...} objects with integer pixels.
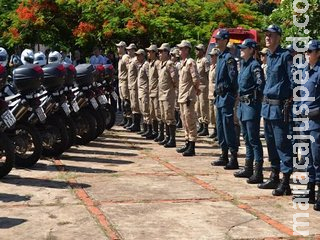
[
  {"x": 275, "y": 111},
  {"x": 226, "y": 89},
  {"x": 251, "y": 83},
  {"x": 313, "y": 86}
]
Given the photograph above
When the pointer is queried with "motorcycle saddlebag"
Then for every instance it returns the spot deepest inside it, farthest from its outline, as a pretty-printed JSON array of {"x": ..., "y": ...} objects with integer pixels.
[
  {"x": 85, "y": 74},
  {"x": 27, "y": 78},
  {"x": 54, "y": 76}
]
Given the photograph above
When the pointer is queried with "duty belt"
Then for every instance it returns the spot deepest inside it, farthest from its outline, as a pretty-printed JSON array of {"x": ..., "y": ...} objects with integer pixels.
[
  {"x": 247, "y": 99},
  {"x": 272, "y": 101}
]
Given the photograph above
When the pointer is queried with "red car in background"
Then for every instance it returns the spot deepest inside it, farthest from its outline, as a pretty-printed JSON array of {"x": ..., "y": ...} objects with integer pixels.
[{"x": 237, "y": 35}]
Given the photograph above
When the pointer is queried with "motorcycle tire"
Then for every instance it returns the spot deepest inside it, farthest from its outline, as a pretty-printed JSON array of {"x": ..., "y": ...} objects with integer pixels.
[
  {"x": 101, "y": 126},
  {"x": 55, "y": 128},
  {"x": 109, "y": 116},
  {"x": 85, "y": 125},
  {"x": 24, "y": 135},
  {"x": 6, "y": 155}
]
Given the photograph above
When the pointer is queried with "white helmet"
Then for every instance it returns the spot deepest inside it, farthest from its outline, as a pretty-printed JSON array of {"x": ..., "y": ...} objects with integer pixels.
[
  {"x": 27, "y": 56},
  {"x": 54, "y": 57},
  {"x": 40, "y": 59},
  {"x": 3, "y": 57}
]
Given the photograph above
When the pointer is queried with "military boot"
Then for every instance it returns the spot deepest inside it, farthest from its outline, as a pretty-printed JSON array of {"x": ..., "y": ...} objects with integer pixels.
[
  {"x": 172, "y": 141},
  {"x": 124, "y": 121},
  {"x": 149, "y": 134},
  {"x": 284, "y": 187},
  {"x": 143, "y": 130},
  {"x": 205, "y": 131},
  {"x": 247, "y": 171},
  {"x": 257, "y": 176},
  {"x": 190, "y": 150},
  {"x": 223, "y": 159},
  {"x": 160, "y": 136},
  {"x": 178, "y": 119},
  {"x": 272, "y": 182},
  {"x": 200, "y": 129},
  {"x": 166, "y": 139},
  {"x": 184, "y": 147},
  {"x": 214, "y": 134},
  {"x": 310, "y": 195},
  {"x": 317, "y": 202},
  {"x": 233, "y": 163},
  {"x": 135, "y": 127},
  {"x": 129, "y": 122},
  {"x": 154, "y": 129}
]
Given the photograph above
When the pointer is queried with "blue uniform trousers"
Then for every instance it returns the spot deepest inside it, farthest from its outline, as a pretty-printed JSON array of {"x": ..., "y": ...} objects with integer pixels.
[
  {"x": 279, "y": 146},
  {"x": 250, "y": 131},
  {"x": 226, "y": 132},
  {"x": 314, "y": 157}
]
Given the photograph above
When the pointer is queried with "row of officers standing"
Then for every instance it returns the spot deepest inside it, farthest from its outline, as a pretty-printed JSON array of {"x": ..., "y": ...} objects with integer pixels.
[{"x": 203, "y": 92}]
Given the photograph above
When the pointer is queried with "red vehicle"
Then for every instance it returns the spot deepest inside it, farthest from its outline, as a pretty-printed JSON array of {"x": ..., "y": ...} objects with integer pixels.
[{"x": 237, "y": 35}]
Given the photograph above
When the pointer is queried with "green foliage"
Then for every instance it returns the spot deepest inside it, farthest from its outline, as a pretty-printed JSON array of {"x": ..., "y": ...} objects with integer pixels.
[
  {"x": 85, "y": 23},
  {"x": 283, "y": 16}
]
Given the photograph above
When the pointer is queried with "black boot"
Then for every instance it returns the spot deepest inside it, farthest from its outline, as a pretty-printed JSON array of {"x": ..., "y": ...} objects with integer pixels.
[
  {"x": 233, "y": 163},
  {"x": 166, "y": 139},
  {"x": 124, "y": 121},
  {"x": 160, "y": 136},
  {"x": 184, "y": 147},
  {"x": 257, "y": 176},
  {"x": 172, "y": 141},
  {"x": 310, "y": 195},
  {"x": 178, "y": 119},
  {"x": 135, "y": 127},
  {"x": 190, "y": 150},
  {"x": 155, "y": 131},
  {"x": 273, "y": 181},
  {"x": 200, "y": 129},
  {"x": 222, "y": 161},
  {"x": 143, "y": 130},
  {"x": 214, "y": 134},
  {"x": 205, "y": 131},
  {"x": 149, "y": 134},
  {"x": 247, "y": 171},
  {"x": 129, "y": 122},
  {"x": 284, "y": 186},
  {"x": 317, "y": 202}
]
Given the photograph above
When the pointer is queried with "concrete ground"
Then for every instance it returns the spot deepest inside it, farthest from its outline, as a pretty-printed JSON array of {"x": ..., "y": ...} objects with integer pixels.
[{"x": 124, "y": 187}]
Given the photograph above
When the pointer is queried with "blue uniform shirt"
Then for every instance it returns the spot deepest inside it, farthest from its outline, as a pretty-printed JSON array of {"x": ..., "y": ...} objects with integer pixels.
[
  {"x": 313, "y": 86},
  {"x": 251, "y": 82},
  {"x": 279, "y": 82},
  {"x": 226, "y": 78}
]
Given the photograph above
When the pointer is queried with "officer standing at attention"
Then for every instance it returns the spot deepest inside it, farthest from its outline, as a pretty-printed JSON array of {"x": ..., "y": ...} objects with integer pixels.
[
  {"x": 188, "y": 90},
  {"x": 168, "y": 82},
  {"x": 175, "y": 57},
  {"x": 153, "y": 91},
  {"x": 251, "y": 83},
  {"x": 133, "y": 70},
  {"x": 226, "y": 92},
  {"x": 313, "y": 87},
  {"x": 202, "y": 104},
  {"x": 143, "y": 92},
  {"x": 275, "y": 112},
  {"x": 123, "y": 81},
  {"x": 212, "y": 78}
]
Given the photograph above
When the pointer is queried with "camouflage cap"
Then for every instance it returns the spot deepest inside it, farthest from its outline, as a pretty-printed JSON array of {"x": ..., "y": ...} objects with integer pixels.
[
  {"x": 152, "y": 47},
  {"x": 140, "y": 51},
  {"x": 121, "y": 44},
  {"x": 214, "y": 51},
  {"x": 131, "y": 46},
  {"x": 184, "y": 43},
  {"x": 200, "y": 47},
  {"x": 164, "y": 46}
]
